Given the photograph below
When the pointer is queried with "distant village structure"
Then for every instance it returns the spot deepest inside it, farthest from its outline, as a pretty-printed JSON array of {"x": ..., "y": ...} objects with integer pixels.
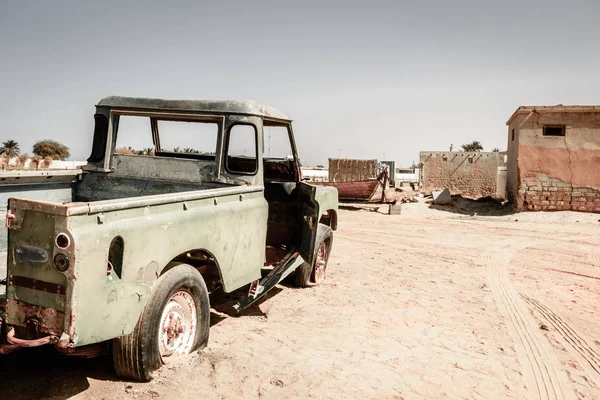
[
  {"x": 315, "y": 174},
  {"x": 554, "y": 158},
  {"x": 407, "y": 178},
  {"x": 349, "y": 170},
  {"x": 552, "y": 162},
  {"x": 472, "y": 174}
]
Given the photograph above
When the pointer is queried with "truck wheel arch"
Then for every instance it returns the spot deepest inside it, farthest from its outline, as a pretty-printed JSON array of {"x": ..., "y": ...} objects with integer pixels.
[
  {"x": 330, "y": 219},
  {"x": 201, "y": 259}
]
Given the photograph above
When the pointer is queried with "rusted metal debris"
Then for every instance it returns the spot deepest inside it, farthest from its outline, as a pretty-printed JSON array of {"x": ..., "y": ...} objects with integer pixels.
[{"x": 13, "y": 343}]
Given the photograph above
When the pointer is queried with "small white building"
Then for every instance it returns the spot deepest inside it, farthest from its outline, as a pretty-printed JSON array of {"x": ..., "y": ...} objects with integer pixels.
[
  {"x": 407, "y": 176},
  {"x": 315, "y": 174}
]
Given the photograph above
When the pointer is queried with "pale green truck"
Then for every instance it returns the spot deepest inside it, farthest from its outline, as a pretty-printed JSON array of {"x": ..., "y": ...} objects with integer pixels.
[{"x": 128, "y": 261}]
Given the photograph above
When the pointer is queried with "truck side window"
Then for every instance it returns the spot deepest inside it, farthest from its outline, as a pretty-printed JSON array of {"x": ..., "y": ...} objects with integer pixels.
[
  {"x": 241, "y": 156},
  {"x": 278, "y": 156},
  {"x": 277, "y": 142}
]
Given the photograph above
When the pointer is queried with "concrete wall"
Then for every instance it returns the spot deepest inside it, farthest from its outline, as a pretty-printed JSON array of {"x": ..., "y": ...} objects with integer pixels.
[
  {"x": 3, "y": 233},
  {"x": 471, "y": 174},
  {"x": 555, "y": 172},
  {"x": 346, "y": 170},
  {"x": 512, "y": 154},
  {"x": 29, "y": 164},
  {"x": 46, "y": 185}
]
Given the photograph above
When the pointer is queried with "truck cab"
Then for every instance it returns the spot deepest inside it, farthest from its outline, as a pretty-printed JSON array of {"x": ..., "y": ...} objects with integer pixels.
[{"x": 178, "y": 198}]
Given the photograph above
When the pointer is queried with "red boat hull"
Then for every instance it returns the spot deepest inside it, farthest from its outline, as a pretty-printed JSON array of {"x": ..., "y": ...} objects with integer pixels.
[{"x": 354, "y": 190}]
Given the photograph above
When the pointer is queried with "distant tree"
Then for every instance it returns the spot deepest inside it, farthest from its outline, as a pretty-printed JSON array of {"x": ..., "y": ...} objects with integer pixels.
[
  {"x": 36, "y": 161},
  {"x": 496, "y": 150},
  {"x": 177, "y": 150},
  {"x": 22, "y": 159},
  {"x": 10, "y": 149},
  {"x": 148, "y": 151},
  {"x": 473, "y": 146},
  {"x": 320, "y": 166},
  {"x": 52, "y": 149},
  {"x": 190, "y": 150}
]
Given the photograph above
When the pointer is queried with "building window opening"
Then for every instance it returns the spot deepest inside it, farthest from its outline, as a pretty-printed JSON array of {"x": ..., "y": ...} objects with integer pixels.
[
  {"x": 513, "y": 135},
  {"x": 554, "y": 130},
  {"x": 470, "y": 160}
]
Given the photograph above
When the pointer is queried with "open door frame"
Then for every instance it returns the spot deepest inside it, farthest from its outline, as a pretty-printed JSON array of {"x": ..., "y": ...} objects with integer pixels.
[{"x": 310, "y": 221}]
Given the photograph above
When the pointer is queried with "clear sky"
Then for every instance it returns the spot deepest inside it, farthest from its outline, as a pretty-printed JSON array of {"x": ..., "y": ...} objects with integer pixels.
[{"x": 361, "y": 79}]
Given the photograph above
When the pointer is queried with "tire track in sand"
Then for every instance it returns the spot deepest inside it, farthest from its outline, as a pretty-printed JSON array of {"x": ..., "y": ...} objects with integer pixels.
[
  {"x": 534, "y": 352},
  {"x": 594, "y": 258},
  {"x": 593, "y": 254},
  {"x": 578, "y": 343}
]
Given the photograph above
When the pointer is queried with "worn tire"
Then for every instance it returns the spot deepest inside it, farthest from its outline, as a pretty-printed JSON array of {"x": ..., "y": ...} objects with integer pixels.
[
  {"x": 304, "y": 274},
  {"x": 137, "y": 355}
]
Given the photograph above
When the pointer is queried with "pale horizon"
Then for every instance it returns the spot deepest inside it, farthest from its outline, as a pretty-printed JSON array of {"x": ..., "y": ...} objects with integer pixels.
[{"x": 360, "y": 80}]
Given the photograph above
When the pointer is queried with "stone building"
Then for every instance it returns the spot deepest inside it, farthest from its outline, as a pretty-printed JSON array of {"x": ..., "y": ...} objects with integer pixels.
[
  {"x": 471, "y": 174},
  {"x": 554, "y": 158}
]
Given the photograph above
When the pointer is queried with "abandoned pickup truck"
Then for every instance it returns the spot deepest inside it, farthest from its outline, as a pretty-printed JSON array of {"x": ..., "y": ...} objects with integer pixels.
[{"x": 128, "y": 260}]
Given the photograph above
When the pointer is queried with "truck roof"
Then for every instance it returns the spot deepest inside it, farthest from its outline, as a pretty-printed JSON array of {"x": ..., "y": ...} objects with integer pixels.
[{"x": 246, "y": 107}]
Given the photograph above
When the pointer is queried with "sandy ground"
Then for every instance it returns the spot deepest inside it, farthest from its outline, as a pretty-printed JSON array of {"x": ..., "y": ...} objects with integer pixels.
[{"x": 432, "y": 303}]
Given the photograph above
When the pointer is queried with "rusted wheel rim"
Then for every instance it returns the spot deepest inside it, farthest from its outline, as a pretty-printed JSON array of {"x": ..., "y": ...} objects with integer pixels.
[
  {"x": 320, "y": 264},
  {"x": 178, "y": 324}
]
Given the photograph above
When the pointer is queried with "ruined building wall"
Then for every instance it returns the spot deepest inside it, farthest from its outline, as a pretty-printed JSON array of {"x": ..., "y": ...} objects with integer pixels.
[
  {"x": 558, "y": 172},
  {"x": 346, "y": 170},
  {"x": 512, "y": 154},
  {"x": 471, "y": 174}
]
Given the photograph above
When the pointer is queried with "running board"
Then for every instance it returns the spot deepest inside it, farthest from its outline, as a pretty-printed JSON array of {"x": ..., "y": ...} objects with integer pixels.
[{"x": 285, "y": 267}]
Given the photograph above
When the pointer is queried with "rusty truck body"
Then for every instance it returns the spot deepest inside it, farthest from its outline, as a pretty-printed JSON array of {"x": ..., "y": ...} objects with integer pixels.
[{"x": 130, "y": 258}]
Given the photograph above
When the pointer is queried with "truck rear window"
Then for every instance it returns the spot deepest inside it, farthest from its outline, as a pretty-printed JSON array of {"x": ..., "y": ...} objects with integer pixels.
[
  {"x": 188, "y": 137},
  {"x": 172, "y": 138}
]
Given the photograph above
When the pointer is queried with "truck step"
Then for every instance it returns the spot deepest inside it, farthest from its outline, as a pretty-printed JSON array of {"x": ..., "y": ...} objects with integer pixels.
[{"x": 290, "y": 262}]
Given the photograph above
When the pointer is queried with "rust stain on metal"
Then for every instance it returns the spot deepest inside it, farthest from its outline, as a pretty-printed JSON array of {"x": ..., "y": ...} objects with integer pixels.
[
  {"x": 9, "y": 217},
  {"x": 49, "y": 320},
  {"x": 90, "y": 351}
]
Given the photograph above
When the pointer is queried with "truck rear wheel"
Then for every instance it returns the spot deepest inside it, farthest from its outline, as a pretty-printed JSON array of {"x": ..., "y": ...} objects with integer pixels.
[
  {"x": 175, "y": 320},
  {"x": 314, "y": 274}
]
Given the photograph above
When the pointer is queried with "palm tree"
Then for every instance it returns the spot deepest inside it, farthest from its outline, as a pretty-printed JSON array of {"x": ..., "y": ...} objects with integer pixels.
[
  {"x": 473, "y": 146},
  {"x": 10, "y": 149},
  {"x": 190, "y": 150},
  {"x": 496, "y": 150}
]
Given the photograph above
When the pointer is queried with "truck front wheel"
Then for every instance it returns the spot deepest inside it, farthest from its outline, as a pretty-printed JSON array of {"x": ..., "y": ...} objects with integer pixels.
[
  {"x": 314, "y": 274},
  {"x": 175, "y": 320}
]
